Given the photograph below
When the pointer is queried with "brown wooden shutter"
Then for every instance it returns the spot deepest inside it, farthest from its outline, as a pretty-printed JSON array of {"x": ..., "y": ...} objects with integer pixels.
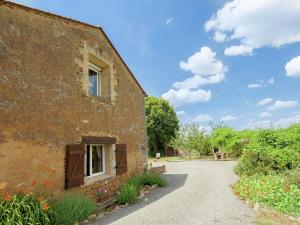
[
  {"x": 74, "y": 165},
  {"x": 121, "y": 159}
]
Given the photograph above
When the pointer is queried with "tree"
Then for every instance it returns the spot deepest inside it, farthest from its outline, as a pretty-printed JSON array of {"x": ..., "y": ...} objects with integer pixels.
[
  {"x": 191, "y": 138},
  {"x": 162, "y": 122}
]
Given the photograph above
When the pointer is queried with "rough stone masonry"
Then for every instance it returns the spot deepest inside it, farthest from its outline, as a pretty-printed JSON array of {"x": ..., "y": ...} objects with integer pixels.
[{"x": 44, "y": 103}]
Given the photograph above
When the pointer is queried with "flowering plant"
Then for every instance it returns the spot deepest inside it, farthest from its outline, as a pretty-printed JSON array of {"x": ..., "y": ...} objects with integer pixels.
[{"x": 102, "y": 194}]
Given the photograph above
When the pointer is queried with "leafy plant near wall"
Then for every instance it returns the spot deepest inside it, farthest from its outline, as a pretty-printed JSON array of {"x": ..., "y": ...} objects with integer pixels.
[
  {"x": 72, "y": 207},
  {"x": 130, "y": 191},
  {"x": 25, "y": 209}
]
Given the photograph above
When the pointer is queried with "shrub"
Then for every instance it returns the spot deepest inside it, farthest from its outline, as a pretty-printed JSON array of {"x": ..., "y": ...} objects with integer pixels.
[
  {"x": 271, "y": 151},
  {"x": 152, "y": 179},
  {"x": 128, "y": 194},
  {"x": 293, "y": 177},
  {"x": 272, "y": 191},
  {"x": 130, "y": 191},
  {"x": 231, "y": 141},
  {"x": 24, "y": 209},
  {"x": 72, "y": 207}
]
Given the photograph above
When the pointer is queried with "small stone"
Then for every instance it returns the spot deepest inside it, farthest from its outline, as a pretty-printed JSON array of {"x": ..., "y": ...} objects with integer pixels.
[
  {"x": 100, "y": 215},
  {"x": 84, "y": 222},
  {"x": 292, "y": 218},
  {"x": 92, "y": 217},
  {"x": 256, "y": 206},
  {"x": 146, "y": 199}
]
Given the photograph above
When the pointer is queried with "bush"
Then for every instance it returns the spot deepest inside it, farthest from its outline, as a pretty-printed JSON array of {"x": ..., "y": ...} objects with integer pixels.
[
  {"x": 72, "y": 207},
  {"x": 129, "y": 193},
  {"x": 272, "y": 191},
  {"x": 293, "y": 177},
  {"x": 271, "y": 151},
  {"x": 152, "y": 179},
  {"x": 24, "y": 209},
  {"x": 231, "y": 141}
]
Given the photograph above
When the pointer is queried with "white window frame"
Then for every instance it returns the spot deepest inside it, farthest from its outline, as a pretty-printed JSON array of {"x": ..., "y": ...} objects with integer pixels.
[
  {"x": 98, "y": 71},
  {"x": 91, "y": 160}
]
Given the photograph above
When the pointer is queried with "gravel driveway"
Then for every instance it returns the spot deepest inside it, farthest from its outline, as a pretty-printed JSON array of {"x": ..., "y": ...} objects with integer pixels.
[{"x": 198, "y": 192}]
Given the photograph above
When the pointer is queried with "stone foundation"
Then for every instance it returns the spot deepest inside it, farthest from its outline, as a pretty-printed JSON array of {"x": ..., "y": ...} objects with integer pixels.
[
  {"x": 111, "y": 184},
  {"x": 157, "y": 169}
]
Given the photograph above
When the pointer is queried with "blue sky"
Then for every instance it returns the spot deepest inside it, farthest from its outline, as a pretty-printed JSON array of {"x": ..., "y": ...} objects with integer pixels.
[{"x": 235, "y": 61}]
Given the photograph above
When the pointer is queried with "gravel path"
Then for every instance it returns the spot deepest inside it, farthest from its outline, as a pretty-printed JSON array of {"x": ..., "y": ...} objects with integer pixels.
[{"x": 198, "y": 192}]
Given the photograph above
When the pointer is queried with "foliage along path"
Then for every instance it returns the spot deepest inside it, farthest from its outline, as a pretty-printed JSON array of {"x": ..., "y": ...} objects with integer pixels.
[{"x": 198, "y": 193}]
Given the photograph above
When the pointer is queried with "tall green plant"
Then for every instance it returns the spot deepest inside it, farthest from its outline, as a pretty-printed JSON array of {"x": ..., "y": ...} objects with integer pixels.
[
  {"x": 24, "y": 209},
  {"x": 162, "y": 122},
  {"x": 191, "y": 138}
]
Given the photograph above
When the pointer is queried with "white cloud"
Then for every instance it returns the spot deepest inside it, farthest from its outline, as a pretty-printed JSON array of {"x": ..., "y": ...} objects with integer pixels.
[
  {"x": 264, "y": 115},
  {"x": 283, "y": 122},
  {"x": 260, "y": 124},
  {"x": 238, "y": 50},
  {"x": 262, "y": 83},
  {"x": 185, "y": 96},
  {"x": 181, "y": 113},
  {"x": 203, "y": 118},
  {"x": 203, "y": 63},
  {"x": 228, "y": 118},
  {"x": 292, "y": 68},
  {"x": 219, "y": 37},
  {"x": 197, "y": 80},
  {"x": 169, "y": 20},
  {"x": 283, "y": 105},
  {"x": 258, "y": 23},
  {"x": 206, "y": 69},
  {"x": 265, "y": 101}
]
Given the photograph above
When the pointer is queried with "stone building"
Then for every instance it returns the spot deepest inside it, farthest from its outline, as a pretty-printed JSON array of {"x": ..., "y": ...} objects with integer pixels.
[{"x": 71, "y": 111}]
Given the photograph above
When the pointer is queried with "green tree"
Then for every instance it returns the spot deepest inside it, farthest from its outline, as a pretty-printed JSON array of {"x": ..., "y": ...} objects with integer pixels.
[
  {"x": 192, "y": 139},
  {"x": 162, "y": 122}
]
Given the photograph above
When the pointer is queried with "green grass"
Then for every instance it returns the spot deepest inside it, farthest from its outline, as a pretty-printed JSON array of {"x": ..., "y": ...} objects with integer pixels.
[
  {"x": 130, "y": 191},
  {"x": 153, "y": 179},
  {"x": 72, "y": 207},
  {"x": 24, "y": 209},
  {"x": 272, "y": 191}
]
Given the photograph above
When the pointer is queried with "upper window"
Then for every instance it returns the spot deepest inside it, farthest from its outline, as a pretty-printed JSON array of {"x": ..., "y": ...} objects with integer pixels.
[
  {"x": 94, "y": 160},
  {"x": 94, "y": 81}
]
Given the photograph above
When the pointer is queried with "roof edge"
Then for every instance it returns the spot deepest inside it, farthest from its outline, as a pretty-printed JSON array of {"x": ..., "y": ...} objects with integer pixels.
[{"x": 45, "y": 13}]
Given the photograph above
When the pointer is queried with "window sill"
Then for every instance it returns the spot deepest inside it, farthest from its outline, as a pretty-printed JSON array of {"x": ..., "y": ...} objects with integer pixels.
[
  {"x": 105, "y": 100},
  {"x": 97, "y": 179}
]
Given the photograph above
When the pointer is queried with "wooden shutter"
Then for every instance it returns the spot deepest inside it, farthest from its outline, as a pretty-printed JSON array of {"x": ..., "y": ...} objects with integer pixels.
[
  {"x": 74, "y": 165},
  {"x": 121, "y": 159}
]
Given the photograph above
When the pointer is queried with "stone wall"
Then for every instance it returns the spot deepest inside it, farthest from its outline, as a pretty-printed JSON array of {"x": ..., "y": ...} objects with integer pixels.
[
  {"x": 43, "y": 100},
  {"x": 157, "y": 169}
]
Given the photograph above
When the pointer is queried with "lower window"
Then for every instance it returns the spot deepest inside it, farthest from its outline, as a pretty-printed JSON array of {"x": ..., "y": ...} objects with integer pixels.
[{"x": 94, "y": 160}]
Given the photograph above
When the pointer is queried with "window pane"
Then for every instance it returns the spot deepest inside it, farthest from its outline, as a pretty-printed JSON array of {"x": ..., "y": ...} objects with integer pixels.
[
  {"x": 93, "y": 83},
  {"x": 87, "y": 163},
  {"x": 97, "y": 159}
]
